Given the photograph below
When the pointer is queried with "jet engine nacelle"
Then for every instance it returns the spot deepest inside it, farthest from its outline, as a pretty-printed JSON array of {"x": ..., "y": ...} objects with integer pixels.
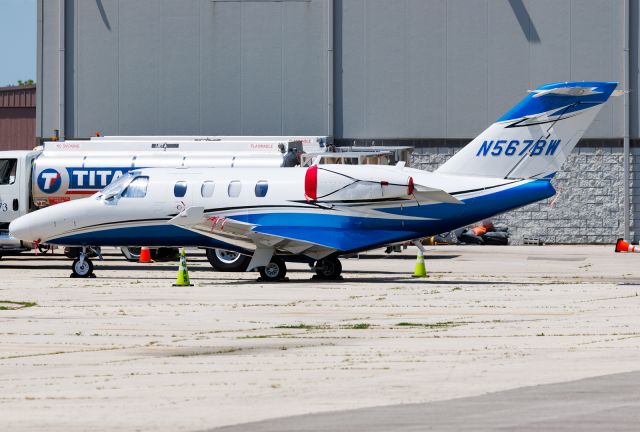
[{"x": 336, "y": 184}]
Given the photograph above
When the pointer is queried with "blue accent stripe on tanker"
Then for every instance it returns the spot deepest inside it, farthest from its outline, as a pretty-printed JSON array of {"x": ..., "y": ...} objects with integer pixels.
[{"x": 532, "y": 105}]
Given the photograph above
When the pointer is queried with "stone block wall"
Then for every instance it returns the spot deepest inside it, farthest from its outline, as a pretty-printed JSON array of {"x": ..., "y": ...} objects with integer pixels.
[{"x": 587, "y": 207}]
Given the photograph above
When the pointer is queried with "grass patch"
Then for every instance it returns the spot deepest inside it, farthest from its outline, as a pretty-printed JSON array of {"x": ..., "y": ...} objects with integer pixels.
[
  {"x": 302, "y": 326},
  {"x": 14, "y": 305},
  {"x": 360, "y": 326},
  {"x": 438, "y": 325},
  {"x": 207, "y": 353}
]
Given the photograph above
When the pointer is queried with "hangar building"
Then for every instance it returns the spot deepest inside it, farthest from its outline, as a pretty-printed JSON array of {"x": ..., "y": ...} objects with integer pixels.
[{"x": 428, "y": 73}]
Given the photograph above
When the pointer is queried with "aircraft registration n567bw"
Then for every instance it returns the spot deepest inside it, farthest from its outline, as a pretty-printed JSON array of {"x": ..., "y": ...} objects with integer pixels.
[{"x": 324, "y": 211}]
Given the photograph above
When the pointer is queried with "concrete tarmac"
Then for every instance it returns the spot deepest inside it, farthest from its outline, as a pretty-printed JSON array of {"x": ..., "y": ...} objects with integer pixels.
[
  {"x": 606, "y": 403},
  {"x": 128, "y": 351}
]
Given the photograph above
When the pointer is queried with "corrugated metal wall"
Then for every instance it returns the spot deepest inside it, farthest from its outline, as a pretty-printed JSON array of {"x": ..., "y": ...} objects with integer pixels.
[
  {"x": 188, "y": 67},
  {"x": 403, "y": 68},
  {"x": 448, "y": 68},
  {"x": 17, "y": 118}
]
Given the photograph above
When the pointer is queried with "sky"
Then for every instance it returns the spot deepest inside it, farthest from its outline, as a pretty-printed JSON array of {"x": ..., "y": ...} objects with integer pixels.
[{"x": 18, "y": 26}]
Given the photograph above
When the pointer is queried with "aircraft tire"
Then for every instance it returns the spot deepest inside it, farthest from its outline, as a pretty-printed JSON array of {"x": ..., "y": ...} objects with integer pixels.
[
  {"x": 329, "y": 268},
  {"x": 276, "y": 270},
  {"x": 227, "y": 261},
  {"x": 83, "y": 270}
]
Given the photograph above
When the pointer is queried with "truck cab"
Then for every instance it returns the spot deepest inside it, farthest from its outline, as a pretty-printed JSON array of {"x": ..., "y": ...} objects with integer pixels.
[{"x": 15, "y": 195}]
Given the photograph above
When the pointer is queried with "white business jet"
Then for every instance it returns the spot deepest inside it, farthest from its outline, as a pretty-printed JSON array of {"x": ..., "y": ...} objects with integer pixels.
[{"x": 325, "y": 211}]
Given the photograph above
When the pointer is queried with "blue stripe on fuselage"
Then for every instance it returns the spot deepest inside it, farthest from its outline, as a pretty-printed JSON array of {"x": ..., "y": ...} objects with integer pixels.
[
  {"x": 445, "y": 217},
  {"x": 150, "y": 235}
]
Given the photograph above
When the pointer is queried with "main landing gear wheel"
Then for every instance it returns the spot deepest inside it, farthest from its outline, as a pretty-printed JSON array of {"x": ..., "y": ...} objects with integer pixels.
[
  {"x": 328, "y": 269},
  {"x": 227, "y": 261},
  {"x": 82, "y": 268},
  {"x": 274, "y": 271}
]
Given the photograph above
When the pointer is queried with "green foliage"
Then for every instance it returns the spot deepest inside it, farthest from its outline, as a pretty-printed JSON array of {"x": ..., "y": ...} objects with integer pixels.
[
  {"x": 26, "y": 83},
  {"x": 361, "y": 326},
  {"x": 13, "y": 305}
]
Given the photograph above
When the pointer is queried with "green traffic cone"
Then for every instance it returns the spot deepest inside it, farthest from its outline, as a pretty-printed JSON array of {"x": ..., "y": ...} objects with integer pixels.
[
  {"x": 183, "y": 273},
  {"x": 421, "y": 270}
]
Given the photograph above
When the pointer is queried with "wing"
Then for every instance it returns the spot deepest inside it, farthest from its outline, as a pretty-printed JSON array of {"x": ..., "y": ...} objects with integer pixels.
[{"x": 316, "y": 243}]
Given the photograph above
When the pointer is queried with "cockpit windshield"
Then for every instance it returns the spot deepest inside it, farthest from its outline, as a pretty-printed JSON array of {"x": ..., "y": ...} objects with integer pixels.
[{"x": 116, "y": 187}]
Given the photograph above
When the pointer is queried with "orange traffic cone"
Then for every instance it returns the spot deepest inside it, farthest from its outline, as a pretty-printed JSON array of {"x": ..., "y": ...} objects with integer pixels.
[
  {"x": 145, "y": 255},
  {"x": 623, "y": 246}
]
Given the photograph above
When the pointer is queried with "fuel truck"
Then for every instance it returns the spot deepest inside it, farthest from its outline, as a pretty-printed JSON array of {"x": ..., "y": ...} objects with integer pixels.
[{"x": 59, "y": 171}]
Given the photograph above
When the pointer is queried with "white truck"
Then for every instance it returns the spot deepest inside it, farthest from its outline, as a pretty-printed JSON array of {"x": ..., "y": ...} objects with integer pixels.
[{"x": 60, "y": 171}]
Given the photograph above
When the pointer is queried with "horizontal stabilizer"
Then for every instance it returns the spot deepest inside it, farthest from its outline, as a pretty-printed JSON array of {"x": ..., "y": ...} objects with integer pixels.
[
  {"x": 424, "y": 193},
  {"x": 566, "y": 91}
]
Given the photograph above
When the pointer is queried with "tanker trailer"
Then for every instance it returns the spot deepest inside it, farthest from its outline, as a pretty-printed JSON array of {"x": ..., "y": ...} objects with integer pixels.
[{"x": 60, "y": 171}]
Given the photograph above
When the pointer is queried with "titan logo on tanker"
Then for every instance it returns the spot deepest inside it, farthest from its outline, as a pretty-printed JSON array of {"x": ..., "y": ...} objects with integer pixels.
[
  {"x": 91, "y": 179},
  {"x": 49, "y": 180}
]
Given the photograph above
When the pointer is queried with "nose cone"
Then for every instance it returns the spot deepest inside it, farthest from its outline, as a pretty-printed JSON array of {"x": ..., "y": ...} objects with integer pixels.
[
  {"x": 44, "y": 224},
  {"x": 21, "y": 228}
]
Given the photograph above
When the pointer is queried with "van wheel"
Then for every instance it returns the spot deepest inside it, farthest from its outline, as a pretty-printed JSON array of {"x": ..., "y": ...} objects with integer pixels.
[
  {"x": 276, "y": 270},
  {"x": 82, "y": 269},
  {"x": 227, "y": 261}
]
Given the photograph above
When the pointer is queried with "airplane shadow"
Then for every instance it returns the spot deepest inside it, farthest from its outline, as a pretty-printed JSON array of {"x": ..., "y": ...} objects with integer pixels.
[
  {"x": 427, "y": 256},
  {"x": 372, "y": 280}
]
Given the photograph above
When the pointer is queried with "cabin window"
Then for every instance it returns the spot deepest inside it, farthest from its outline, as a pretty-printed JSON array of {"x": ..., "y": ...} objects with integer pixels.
[
  {"x": 261, "y": 188},
  {"x": 234, "y": 188},
  {"x": 207, "y": 189},
  {"x": 8, "y": 171},
  {"x": 180, "y": 189},
  {"x": 137, "y": 188}
]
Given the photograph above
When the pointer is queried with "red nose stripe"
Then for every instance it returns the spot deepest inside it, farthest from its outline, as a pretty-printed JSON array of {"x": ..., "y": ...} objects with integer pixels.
[{"x": 311, "y": 183}]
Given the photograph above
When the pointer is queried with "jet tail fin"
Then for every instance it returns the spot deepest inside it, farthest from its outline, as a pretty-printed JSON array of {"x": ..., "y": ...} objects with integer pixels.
[{"x": 535, "y": 137}]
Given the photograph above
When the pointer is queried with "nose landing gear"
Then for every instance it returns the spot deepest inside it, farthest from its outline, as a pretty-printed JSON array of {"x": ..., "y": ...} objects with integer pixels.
[{"x": 82, "y": 266}]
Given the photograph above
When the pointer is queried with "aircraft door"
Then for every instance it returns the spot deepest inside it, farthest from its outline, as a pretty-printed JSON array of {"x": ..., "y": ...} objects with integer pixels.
[{"x": 11, "y": 203}]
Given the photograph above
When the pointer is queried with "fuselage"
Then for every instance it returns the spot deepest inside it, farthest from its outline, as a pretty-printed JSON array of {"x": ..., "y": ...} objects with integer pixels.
[{"x": 355, "y": 208}]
